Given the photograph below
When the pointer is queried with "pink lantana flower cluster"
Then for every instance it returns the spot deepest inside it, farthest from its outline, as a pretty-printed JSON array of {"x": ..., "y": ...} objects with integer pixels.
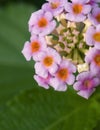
[{"x": 65, "y": 45}]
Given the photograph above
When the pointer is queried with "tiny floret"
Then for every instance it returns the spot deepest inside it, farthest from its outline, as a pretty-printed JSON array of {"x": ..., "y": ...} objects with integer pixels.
[
  {"x": 86, "y": 83},
  {"x": 41, "y": 23},
  {"x": 63, "y": 76},
  {"x": 48, "y": 63},
  {"x": 34, "y": 48},
  {"x": 94, "y": 17},
  {"x": 93, "y": 58},
  {"x": 54, "y": 6},
  {"x": 93, "y": 36},
  {"x": 77, "y": 10}
]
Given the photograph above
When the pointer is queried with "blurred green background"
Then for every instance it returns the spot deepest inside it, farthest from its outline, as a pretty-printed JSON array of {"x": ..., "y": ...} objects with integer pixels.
[{"x": 23, "y": 104}]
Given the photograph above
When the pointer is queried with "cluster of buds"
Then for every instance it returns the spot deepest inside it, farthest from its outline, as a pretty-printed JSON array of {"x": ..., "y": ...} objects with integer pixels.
[{"x": 65, "y": 45}]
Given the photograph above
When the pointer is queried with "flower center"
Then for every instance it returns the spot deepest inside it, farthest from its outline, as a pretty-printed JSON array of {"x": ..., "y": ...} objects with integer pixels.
[
  {"x": 77, "y": 8},
  {"x": 42, "y": 22},
  {"x": 63, "y": 74},
  {"x": 97, "y": 59},
  {"x": 48, "y": 61},
  {"x": 55, "y": 5},
  {"x": 87, "y": 83},
  {"x": 35, "y": 46},
  {"x": 96, "y": 36},
  {"x": 69, "y": 41},
  {"x": 98, "y": 17}
]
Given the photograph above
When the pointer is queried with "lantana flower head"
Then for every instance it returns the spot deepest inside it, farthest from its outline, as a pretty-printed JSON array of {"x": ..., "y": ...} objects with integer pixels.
[{"x": 65, "y": 45}]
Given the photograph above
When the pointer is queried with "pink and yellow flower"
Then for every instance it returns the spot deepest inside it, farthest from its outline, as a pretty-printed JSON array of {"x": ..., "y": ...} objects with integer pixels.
[
  {"x": 86, "y": 83},
  {"x": 77, "y": 10},
  {"x": 41, "y": 23},
  {"x": 34, "y": 48},
  {"x": 93, "y": 36},
  {"x": 94, "y": 17},
  {"x": 48, "y": 63},
  {"x": 93, "y": 58},
  {"x": 54, "y": 6},
  {"x": 63, "y": 76}
]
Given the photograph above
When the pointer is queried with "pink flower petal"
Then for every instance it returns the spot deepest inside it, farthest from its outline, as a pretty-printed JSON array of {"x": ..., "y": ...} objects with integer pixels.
[
  {"x": 55, "y": 54},
  {"x": 70, "y": 79},
  {"x": 58, "y": 85},
  {"x": 86, "y": 94},
  {"x": 86, "y": 9},
  {"x": 26, "y": 51},
  {"x": 68, "y": 7},
  {"x": 48, "y": 29},
  {"x": 38, "y": 56},
  {"x": 53, "y": 69},
  {"x": 88, "y": 37},
  {"x": 40, "y": 70},
  {"x": 49, "y": 16},
  {"x": 41, "y": 82},
  {"x": 77, "y": 85},
  {"x": 81, "y": 1},
  {"x": 76, "y": 18}
]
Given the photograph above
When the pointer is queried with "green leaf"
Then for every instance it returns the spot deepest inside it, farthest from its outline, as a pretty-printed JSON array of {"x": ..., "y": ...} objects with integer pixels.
[
  {"x": 23, "y": 104},
  {"x": 15, "y": 72},
  {"x": 38, "y": 109}
]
